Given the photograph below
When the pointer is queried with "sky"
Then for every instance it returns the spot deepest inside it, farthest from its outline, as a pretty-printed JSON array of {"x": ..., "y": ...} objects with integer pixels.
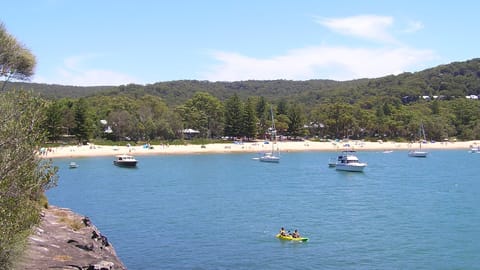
[{"x": 116, "y": 42}]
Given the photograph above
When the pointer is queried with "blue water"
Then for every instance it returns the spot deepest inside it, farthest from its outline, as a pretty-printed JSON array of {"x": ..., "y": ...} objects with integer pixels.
[{"x": 222, "y": 211}]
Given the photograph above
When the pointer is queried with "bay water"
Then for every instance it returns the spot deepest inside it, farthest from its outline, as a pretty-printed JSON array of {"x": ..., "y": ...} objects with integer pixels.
[{"x": 222, "y": 211}]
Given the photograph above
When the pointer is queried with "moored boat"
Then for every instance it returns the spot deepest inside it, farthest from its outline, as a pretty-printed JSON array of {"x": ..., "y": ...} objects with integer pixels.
[
  {"x": 474, "y": 149},
  {"x": 125, "y": 161},
  {"x": 73, "y": 165},
  {"x": 332, "y": 163},
  {"x": 269, "y": 157},
  {"x": 274, "y": 155},
  {"x": 417, "y": 153},
  {"x": 347, "y": 161}
]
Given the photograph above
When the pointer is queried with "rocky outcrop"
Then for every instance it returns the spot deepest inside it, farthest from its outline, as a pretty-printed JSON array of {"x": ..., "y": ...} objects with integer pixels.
[{"x": 66, "y": 240}]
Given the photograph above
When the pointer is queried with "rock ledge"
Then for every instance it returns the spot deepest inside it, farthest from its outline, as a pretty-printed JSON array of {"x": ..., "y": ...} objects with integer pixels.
[{"x": 66, "y": 240}]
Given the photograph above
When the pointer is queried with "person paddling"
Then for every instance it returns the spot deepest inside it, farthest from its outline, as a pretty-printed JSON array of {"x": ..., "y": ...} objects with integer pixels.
[{"x": 282, "y": 232}]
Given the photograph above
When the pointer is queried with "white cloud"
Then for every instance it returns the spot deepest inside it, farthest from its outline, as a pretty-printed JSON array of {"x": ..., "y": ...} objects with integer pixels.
[
  {"x": 329, "y": 62},
  {"x": 371, "y": 27},
  {"x": 75, "y": 71},
  {"x": 321, "y": 62},
  {"x": 414, "y": 26}
]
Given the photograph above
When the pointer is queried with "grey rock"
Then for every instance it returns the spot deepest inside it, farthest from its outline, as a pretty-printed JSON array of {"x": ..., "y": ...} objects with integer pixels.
[{"x": 64, "y": 240}]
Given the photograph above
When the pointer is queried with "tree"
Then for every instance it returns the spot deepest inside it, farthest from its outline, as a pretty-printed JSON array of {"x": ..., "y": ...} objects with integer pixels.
[
  {"x": 262, "y": 113},
  {"x": 16, "y": 62},
  {"x": 152, "y": 114},
  {"x": 53, "y": 122},
  {"x": 205, "y": 113},
  {"x": 297, "y": 121},
  {"x": 249, "y": 120},
  {"x": 68, "y": 115},
  {"x": 282, "y": 107},
  {"x": 340, "y": 119},
  {"x": 122, "y": 124},
  {"x": 83, "y": 124},
  {"x": 233, "y": 117},
  {"x": 24, "y": 176}
]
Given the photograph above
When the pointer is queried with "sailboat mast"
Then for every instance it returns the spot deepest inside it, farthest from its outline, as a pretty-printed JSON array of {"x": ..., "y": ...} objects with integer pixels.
[
  {"x": 422, "y": 135},
  {"x": 274, "y": 131}
]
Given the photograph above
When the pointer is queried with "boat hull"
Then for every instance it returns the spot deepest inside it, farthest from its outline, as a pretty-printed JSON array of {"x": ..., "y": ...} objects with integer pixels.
[
  {"x": 290, "y": 238},
  {"x": 350, "y": 168},
  {"x": 270, "y": 159},
  {"x": 125, "y": 161},
  {"x": 127, "y": 164},
  {"x": 420, "y": 154}
]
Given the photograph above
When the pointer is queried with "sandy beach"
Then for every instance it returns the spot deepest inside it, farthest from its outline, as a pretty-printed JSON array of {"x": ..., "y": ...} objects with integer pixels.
[{"x": 248, "y": 147}]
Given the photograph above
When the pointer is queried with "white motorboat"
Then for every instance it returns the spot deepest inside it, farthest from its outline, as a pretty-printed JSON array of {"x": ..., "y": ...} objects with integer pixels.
[
  {"x": 73, "y": 165},
  {"x": 125, "y": 161},
  {"x": 347, "y": 161}
]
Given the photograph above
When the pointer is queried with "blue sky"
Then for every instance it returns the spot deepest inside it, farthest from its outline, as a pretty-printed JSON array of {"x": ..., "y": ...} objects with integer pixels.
[{"x": 105, "y": 42}]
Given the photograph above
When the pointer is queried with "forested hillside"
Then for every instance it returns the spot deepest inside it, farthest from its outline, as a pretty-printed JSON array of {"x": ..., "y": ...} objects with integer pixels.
[
  {"x": 53, "y": 91},
  {"x": 391, "y": 107},
  {"x": 452, "y": 80}
]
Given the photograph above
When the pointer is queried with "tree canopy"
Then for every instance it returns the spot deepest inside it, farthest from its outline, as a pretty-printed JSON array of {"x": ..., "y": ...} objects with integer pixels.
[
  {"x": 16, "y": 61},
  {"x": 24, "y": 176}
]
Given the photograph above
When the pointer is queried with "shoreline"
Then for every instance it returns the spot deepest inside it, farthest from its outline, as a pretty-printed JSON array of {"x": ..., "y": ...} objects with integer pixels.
[{"x": 248, "y": 147}]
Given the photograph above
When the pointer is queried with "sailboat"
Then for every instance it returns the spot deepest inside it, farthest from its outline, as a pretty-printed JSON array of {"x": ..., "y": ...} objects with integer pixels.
[
  {"x": 274, "y": 155},
  {"x": 419, "y": 152}
]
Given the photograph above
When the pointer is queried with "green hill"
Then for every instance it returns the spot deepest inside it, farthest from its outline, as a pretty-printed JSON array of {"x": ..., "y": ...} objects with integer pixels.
[{"x": 456, "y": 79}]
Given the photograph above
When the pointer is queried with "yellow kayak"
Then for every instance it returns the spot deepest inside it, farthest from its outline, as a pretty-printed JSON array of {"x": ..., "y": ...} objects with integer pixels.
[{"x": 290, "y": 238}]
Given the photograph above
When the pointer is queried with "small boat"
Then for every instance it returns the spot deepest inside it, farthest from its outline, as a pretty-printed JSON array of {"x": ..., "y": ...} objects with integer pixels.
[
  {"x": 419, "y": 153},
  {"x": 291, "y": 238},
  {"x": 125, "y": 161},
  {"x": 269, "y": 157},
  {"x": 474, "y": 149},
  {"x": 347, "y": 161},
  {"x": 332, "y": 163},
  {"x": 73, "y": 165},
  {"x": 274, "y": 155}
]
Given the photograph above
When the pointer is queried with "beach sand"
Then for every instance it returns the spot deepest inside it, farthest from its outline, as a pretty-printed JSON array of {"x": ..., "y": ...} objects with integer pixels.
[{"x": 248, "y": 147}]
